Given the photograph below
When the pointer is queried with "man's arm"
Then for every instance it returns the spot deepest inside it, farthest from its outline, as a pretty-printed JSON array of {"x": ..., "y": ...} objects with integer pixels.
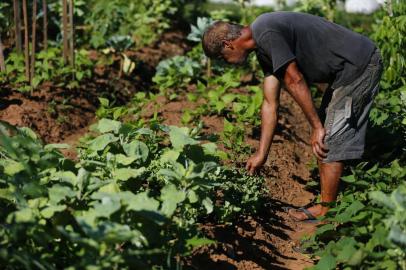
[
  {"x": 269, "y": 119},
  {"x": 298, "y": 89}
]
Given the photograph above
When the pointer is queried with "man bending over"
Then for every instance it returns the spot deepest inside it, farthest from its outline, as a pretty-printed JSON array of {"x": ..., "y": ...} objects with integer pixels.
[{"x": 294, "y": 51}]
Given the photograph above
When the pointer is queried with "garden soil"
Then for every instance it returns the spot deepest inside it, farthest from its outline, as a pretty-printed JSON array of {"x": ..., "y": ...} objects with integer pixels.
[{"x": 264, "y": 241}]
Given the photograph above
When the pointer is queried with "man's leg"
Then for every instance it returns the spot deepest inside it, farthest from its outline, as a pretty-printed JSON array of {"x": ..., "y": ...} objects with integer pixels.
[{"x": 330, "y": 174}]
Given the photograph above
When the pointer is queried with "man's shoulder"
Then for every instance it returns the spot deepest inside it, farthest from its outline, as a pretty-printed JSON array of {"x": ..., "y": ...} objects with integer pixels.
[{"x": 271, "y": 21}]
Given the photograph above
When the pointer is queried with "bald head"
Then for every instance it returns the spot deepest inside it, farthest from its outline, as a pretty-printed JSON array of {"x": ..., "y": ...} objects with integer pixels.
[{"x": 216, "y": 34}]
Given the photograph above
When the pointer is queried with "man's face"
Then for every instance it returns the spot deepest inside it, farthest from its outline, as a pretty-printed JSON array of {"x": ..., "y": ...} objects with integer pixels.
[{"x": 232, "y": 54}]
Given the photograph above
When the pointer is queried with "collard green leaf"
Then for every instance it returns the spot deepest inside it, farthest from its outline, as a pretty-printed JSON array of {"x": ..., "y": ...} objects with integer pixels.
[
  {"x": 137, "y": 150},
  {"x": 124, "y": 160},
  {"x": 107, "y": 125},
  {"x": 142, "y": 202},
  {"x": 58, "y": 192},
  {"x": 124, "y": 174},
  {"x": 180, "y": 137},
  {"x": 100, "y": 142},
  {"x": 170, "y": 197},
  {"x": 49, "y": 211}
]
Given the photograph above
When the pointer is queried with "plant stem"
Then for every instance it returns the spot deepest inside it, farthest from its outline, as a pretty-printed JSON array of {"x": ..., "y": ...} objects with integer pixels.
[
  {"x": 26, "y": 43},
  {"x": 33, "y": 36},
  {"x": 2, "y": 63},
  {"x": 65, "y": 31},
  {"x": 71, "y": 34},
  {"x": 45, "y": 24}
]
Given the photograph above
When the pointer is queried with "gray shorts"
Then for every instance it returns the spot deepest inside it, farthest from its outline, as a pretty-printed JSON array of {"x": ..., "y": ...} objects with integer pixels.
[{"x": 345, "y": 113}]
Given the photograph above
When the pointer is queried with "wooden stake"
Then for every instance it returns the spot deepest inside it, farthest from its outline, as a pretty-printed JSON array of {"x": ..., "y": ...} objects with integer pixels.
[
  {"x": 65, "y": 31},
  {"x": 26, "y": 42},
  {"x": 71, "y": 35},
  {"x": 17, "y": 24},
  {"x": 33, "y": 36},
  {"x": 2, "y": 63},
  {"x": 45, "y": 24}
]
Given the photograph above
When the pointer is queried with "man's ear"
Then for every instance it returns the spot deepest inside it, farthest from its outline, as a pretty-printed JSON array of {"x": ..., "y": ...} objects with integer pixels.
[{"x": 227, "y": 44}]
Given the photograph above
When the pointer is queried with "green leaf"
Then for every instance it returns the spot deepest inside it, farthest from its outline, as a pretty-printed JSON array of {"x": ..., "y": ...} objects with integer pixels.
[
  {"x": 180, "y": 137},
  {"x": 107, "y": 125},
  {"x": 192, "y": 196},
  {"x": 141, "y": 202},
  {"x": 356, "y": 258},
  {"x": 326, "y": 262},
  {"x": 137, "y": 149},
  {"x": 49, "y": 211},
  {"x": 349, "y": 178},
  {"x": 6, "y": 193},
  {"x": 52, "y": 146},
  {"x": 170, "y": 197},
  {"x": 102, "y": 141},
  {"x": 124, "y": 160},
  {"x": 108, "y": 204},
  {"x": 208, "y": 204},
  {"x": 199, "y": 241},
  {"x": 22, "y": 216},
  {"x": 169, "y": 155},
  {"x": 124, "y": 174},
  {"x": 58, "y": 192},
  {"x": 12, "y": 167},
  {"x": 104, "y": 102},
  {"x": 349, "y": 212}
]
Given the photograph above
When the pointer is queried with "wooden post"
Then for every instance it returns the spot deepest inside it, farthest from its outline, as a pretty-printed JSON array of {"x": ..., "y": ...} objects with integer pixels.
[
  {"x": 45, "y": 24},
  {"x": 2, "y": 63},
  {"x": 71, "y": 35},
  {"x": 17, "y": 24},
  {"x": 33, "y": 36},
  {"x": 65, "y": 31},
  {"x": 26, "y": 42}
]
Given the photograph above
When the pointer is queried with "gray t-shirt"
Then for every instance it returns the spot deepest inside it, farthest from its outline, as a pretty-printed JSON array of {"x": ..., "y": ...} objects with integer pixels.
[{"x": 324, "y": 51}]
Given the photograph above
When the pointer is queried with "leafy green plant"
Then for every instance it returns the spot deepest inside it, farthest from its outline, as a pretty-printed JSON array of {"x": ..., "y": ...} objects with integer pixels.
[
  {"x": 135, "y": 196},
  {"x": 49, "y": 66},
  {"x": 176, "y": 72},
  {"x": 197, "y": 31},
  {"x": 360, "y": 235},
  {"x": 142, "y": 20}
]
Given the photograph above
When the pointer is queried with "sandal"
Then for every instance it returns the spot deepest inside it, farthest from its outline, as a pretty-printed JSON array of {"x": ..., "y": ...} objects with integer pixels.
[{"x": 310, "y": 217}]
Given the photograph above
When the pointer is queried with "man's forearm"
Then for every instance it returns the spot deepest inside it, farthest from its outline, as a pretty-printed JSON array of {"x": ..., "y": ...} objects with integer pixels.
[
  {"x": 269, "y": 119},
  {"x": 301, "y": 93},
  {"x": 298, "y": 89}
]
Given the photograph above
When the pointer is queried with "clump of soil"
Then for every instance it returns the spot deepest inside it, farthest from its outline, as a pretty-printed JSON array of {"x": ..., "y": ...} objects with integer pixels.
[{"x": 63, "y": 115}]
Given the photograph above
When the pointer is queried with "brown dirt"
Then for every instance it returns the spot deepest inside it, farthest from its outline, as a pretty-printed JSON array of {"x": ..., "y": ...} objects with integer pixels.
[{"x": 63, "y": 115}]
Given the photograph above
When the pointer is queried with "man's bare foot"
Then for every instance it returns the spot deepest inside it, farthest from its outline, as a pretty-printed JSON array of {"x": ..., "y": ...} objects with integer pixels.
[{"x": 316, "y": 211}]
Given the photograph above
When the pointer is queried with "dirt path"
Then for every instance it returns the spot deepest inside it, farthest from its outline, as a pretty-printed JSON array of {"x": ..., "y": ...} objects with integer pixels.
[{"x": 264, "y": 241}]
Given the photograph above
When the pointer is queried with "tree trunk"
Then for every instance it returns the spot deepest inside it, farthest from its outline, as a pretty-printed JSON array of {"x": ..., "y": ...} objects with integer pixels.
[
  {"x": 65, "y": 31},
  {"x": 17, "y": 24},
  {"x": 45, "y": 24},
  {"x": 2, "y": 63},
  {"x": 71, "y": 34},
  {"x": 26, "y": 42},
  {"x": 34, "y": 36}
]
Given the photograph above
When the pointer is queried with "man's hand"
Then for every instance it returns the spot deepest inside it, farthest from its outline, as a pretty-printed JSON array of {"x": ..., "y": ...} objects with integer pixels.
[
  {"x": 317, "y": 140},
  {"x": 255, "y": 162}
]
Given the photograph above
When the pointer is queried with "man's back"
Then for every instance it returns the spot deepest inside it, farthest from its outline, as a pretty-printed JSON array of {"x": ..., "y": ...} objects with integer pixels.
[{"x": 325, "y": 52}]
